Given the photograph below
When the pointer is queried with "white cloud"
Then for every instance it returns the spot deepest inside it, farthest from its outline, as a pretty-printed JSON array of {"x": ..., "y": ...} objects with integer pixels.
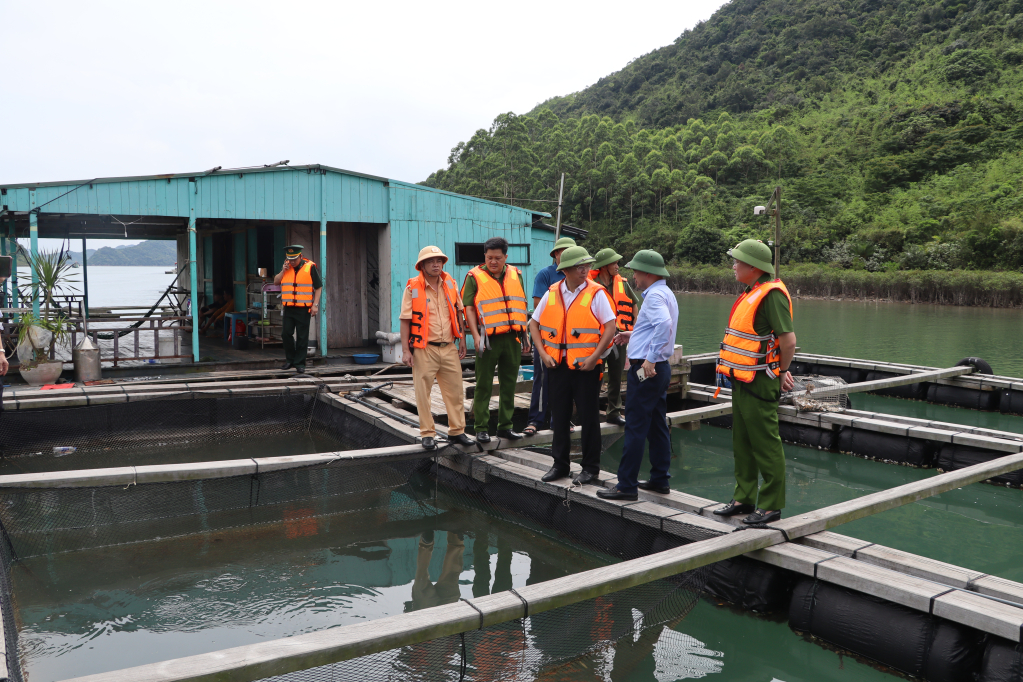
[{"x": 116, "y": 88}]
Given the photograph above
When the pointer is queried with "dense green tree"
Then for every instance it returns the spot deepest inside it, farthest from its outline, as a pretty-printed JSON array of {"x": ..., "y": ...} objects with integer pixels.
[{"x": 894, "y": 132}]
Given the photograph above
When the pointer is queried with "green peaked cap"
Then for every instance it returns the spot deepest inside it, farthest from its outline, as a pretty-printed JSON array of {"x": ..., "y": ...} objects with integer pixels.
[
  {"x": 573, "y": 256},
  {"x": 562, "y": 243},
  {"x": 648, "y": 261},
  {"x": 293, "y": 251},
  {"x": 753, "y": 252},
  {"x": 606, "y": 257}
]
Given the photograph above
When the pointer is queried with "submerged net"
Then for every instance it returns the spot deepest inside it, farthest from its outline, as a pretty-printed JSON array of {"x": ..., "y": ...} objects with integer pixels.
[
  {"x": 802, "y": 394},
  {"x": 390, "y": 495},
  {"x": 153, "y": 422}
]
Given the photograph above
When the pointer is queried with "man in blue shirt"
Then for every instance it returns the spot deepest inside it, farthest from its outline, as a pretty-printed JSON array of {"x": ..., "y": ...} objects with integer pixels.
[
  {"x": 650, "y": 346},
  {"x": 539, "y": 408}
]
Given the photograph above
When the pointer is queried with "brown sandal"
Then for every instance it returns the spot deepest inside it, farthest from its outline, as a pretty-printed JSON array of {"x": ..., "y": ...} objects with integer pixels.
[{"x": 530, "y": 430}]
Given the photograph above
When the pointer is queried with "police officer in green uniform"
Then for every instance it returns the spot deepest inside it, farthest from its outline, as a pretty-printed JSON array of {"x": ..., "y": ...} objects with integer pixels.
[
  {"x": 605, "y": 273},
  {"x": 755, "y": 356},
  {"x": 301, "y": 287}
]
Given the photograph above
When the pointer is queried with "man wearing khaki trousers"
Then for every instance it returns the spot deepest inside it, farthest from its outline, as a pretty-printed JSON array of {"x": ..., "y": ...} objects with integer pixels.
[{"x": 432, "y": 337}]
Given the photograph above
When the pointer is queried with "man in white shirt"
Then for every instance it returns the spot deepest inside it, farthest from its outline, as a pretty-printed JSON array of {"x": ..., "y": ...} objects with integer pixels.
[{"x": 572, "y": 328}]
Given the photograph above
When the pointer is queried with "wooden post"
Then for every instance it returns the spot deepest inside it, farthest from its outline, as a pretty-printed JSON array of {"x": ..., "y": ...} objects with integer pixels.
[
  {"x": 33, "y": 231},
  {"x": 323, "y": 262},
  {"x": 193, "y": 273}
]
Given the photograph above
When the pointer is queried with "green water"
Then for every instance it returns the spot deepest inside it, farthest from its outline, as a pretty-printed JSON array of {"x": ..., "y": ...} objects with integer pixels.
[
  {"x": 103, "y": 609},
  {"x": 146, "y": 602},
  {"x": 265, "y": 445},
  {"x": 931, "y": 335},
  {"x": 978, "y": 527}
]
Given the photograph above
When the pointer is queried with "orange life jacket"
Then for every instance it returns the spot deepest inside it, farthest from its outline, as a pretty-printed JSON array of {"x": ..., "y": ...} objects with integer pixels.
[
  {"x": 500, "y": 306},
  {"x": 576, "y": 333},
  {"x": 299, "y": 291},
  {"x": 419, "y": 331},
  {"x": 742, "y": 354},
  {"x": 625, "y": 309}
]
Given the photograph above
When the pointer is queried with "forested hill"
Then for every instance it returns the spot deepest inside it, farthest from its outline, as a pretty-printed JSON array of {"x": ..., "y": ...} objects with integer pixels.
[
  {"x": 151, "y": 252},
  {"x": 894, "y": 129}
]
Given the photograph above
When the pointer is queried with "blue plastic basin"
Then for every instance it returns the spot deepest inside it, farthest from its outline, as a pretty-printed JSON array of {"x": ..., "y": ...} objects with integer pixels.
[{"x": 365, "y": 358}]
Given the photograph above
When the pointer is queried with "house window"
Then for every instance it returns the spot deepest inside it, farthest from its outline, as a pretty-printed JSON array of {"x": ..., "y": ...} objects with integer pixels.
[{"x": 473, "y": 254}]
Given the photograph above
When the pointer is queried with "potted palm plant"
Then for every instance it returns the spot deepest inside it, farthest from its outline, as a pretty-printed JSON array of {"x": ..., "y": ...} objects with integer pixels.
[{"x": 38, "y": 336}]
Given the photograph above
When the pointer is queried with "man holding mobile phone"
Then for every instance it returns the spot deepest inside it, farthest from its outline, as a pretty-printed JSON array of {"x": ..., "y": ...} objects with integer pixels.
[{"x": 650, "y": 345}]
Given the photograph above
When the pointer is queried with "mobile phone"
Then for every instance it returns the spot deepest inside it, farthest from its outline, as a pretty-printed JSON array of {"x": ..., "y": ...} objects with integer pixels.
[{"x": 641, "y": 374}]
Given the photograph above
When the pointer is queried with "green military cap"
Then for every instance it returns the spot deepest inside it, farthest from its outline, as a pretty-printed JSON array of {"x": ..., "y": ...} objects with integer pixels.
[
  {"x": 648, "y": 261},
  {"x": 573, "y": 256},
  {"x": 753, "y": 252},
  {"x": 294, "y": 251},
  {"x": 562, "y": 243},
  {"x": 606, "y": 257}
]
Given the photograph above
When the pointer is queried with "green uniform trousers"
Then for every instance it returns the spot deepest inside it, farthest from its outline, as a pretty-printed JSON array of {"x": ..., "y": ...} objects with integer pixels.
[
  {"x": 504, "y": 354},
  {"x": 756, "y": 444},
  {"x": 296, "y": 324},
  {"x": 613, "y": 367}
]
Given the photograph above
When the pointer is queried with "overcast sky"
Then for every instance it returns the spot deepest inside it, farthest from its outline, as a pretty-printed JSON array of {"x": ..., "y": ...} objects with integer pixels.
[{"x": 96, "y": 89}]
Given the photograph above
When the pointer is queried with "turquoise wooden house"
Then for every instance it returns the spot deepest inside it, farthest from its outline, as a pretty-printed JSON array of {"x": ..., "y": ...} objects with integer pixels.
[{"x": 363, "y": 231}]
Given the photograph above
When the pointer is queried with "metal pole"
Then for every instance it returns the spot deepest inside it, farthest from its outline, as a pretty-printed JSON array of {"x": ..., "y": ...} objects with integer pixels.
[
  {"x": 323, "y": 262},
  {"x": 777, "y": 232},
  {"x": 15, "y": 294},
  {"x": 85, "y": 282},
  {"x": 14, "y": 265},
  {"x": 33, "y": 231},
  {"x": 561, "y": 195},
  {"x": 193, "y": 273}
]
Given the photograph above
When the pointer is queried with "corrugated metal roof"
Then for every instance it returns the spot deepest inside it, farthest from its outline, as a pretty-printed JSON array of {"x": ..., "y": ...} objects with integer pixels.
[{"x": 198, "y": 174}]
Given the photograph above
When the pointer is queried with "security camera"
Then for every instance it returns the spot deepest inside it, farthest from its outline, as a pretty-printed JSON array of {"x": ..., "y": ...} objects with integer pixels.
[{"x": 759, "y": 210}]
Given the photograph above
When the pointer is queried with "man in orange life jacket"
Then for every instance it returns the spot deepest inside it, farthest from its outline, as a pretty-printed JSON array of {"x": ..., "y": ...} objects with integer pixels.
[
  {"x": 572, "y": 327},
  {"x": 755, "y": 356},
  {"x": 433, "y": 343},
  {"x": 626, "y": 304},
  {"x": 496, "y": 312},
  {"x": 301, "y": 287}
]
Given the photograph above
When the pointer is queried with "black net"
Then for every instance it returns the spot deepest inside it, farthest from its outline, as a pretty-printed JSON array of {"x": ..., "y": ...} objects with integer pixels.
[
  {"x": 153, "y": 422},
  {"x": 408, "y": 493}
]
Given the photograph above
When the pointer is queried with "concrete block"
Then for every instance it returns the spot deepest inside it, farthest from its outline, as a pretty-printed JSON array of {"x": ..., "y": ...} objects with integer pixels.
[
  {"x": 987, "y": 443},
  {"x": 927, "y": 433},
  {"x": 881, "y": 426}
]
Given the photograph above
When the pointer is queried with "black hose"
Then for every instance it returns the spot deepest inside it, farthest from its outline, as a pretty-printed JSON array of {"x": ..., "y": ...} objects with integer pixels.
[{"x": 135, "y": 325}]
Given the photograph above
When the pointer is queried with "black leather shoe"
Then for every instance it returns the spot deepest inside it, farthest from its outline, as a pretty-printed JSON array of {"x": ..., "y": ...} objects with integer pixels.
[
  {"x": 618, "y": 420},
  {"x": 584, "y": 477},
  {"x": 734, "y": 509},
  {"x": 616, "y": 494},
  {"x": 429, "y": 443},
  {"x": 482, "y": 437},
  {"x": 508, "y": 434},
  {"x": 287, "y": 365},
  {"x": 461, "y": 439},
  {"x": 761, "y": 516},
  {"x": 553, "y": 474},
  {"x": 300, "y": 369},
  {"x": 647, "y": 485}
]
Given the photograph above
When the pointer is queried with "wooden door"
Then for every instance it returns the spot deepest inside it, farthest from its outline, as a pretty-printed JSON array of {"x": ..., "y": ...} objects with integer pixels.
[{"x": 346, "y": 283}]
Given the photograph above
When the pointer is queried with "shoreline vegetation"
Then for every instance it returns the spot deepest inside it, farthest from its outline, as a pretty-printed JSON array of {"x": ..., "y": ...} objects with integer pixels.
[{"x": 980, "y": 288}]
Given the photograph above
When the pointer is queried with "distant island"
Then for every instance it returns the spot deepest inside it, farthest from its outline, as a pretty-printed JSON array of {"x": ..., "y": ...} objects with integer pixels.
[{"x": 151, "y": 252}]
